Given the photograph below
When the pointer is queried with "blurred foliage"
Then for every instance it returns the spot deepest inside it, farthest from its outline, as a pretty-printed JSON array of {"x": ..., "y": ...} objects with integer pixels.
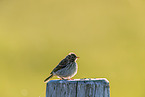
[{"x": 108, "y": 35}]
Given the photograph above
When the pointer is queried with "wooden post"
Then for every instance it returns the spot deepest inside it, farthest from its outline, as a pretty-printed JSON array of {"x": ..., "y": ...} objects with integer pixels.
[{"x": 78, "y": 88}]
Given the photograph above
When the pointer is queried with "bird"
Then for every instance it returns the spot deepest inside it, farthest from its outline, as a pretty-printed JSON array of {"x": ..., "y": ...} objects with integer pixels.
[{"x": 66, "y": 69}]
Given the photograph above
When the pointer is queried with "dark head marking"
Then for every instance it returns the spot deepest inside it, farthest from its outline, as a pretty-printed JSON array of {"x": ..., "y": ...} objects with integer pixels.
[{"x": 72, "y": 57}]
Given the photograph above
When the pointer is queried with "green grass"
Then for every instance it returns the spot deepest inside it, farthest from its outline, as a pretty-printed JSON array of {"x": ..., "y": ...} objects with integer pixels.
[{"x": 108, "y": 36}]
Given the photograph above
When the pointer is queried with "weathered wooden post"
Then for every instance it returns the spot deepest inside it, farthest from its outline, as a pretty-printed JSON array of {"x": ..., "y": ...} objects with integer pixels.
[{"x": 78, "y": 88}]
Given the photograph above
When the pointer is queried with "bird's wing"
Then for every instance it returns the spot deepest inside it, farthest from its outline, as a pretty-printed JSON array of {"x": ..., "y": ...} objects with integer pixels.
[{"x": 61, "y": 65}]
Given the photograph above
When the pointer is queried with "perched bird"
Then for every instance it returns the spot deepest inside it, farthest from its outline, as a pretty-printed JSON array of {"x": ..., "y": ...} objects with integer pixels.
[{"x": 66, "y": 69}]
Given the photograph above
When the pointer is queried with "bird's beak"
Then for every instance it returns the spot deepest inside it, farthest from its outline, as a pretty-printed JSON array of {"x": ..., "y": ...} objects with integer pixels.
[{"x": 78, "y": 57}]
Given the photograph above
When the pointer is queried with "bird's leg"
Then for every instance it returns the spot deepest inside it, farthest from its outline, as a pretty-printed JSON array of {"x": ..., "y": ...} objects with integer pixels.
[
  {"x": 71, "y": 79},
  {"x": 61, "y": 78}
]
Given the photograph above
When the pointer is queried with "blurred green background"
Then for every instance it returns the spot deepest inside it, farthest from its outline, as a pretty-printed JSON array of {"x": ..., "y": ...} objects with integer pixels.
[{"x": 107, "y": 35}]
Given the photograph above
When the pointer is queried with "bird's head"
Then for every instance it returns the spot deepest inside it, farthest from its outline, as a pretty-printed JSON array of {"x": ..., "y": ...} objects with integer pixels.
[{"x": 72, "y": 57}]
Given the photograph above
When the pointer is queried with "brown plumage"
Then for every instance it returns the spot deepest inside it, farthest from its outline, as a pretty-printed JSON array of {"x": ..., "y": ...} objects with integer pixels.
[{"x": 66, "y": 69}]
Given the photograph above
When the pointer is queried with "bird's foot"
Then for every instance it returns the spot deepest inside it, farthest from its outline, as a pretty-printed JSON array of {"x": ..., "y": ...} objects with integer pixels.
[
  {"x": 71, "y": 79},
  {"x": 62, "y": 78}
]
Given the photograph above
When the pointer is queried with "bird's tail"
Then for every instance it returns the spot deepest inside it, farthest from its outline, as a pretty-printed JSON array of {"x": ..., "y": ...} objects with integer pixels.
[{"x": 47, "y": 79}]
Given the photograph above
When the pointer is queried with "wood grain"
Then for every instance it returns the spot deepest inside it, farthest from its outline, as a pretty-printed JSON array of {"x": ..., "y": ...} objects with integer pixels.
[{"x": 78, "y": 88}]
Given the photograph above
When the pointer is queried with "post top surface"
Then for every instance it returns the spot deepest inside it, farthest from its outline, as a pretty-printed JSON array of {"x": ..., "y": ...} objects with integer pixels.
[{"x": 99, "y": 80}]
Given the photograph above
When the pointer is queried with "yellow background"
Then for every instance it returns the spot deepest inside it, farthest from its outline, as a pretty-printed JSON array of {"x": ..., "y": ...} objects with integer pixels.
[{"x": 107, "y": 35}]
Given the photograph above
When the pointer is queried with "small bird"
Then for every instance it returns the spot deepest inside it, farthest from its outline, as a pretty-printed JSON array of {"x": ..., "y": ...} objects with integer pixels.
[{"x": 66, "y": 69}]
